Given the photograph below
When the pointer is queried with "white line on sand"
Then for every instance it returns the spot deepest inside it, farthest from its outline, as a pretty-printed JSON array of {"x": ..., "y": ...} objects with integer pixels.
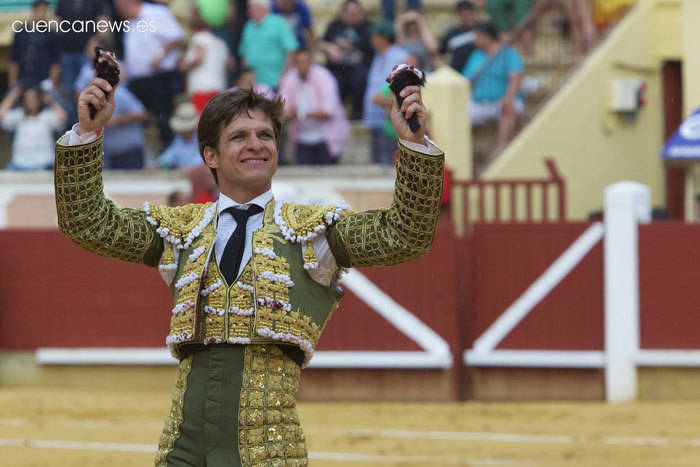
[
  {"x": 313, "y": 455},
  {"x": 443, "y": 435},
  {"x": 503, "y": 437}
]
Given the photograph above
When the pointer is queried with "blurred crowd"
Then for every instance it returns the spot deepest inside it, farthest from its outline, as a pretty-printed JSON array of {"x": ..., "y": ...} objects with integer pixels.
[{"x": 169, "y": 71}]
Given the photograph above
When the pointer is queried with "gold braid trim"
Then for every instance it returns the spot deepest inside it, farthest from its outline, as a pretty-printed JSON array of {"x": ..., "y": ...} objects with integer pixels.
[
  {"x": 180, "y": 225},
  {"x": 171, "y": 429},
  {"x": 269, "y": 432},
  {"x": 406, "y": 229},
  {"x": 92, "y": 221}
]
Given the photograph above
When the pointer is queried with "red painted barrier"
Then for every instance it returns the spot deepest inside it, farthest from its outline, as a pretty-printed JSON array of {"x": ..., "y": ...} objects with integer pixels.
[
  {"x": 669, "y": 285},
  {"x": 54, "y": 294},
  {"x": 507, "y": 259}
]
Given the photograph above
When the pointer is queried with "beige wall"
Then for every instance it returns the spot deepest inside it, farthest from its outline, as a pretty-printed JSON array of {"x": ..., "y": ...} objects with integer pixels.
[{"x": 594, "y": 147}]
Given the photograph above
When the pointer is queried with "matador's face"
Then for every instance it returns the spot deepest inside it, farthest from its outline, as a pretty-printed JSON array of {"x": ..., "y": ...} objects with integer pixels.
[{"x": 247, "y": 154}]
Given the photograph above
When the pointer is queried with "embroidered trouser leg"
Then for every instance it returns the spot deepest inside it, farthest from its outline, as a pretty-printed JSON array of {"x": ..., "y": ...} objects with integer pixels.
[{"x": 234, "y": 406}]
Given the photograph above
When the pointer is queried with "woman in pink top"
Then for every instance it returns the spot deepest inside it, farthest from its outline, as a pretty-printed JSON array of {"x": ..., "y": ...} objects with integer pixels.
[{"x": 318, "y": 124}]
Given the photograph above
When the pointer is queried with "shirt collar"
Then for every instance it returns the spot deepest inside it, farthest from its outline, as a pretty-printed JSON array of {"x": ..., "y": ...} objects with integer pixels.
[{"x": 261, "y": 200}]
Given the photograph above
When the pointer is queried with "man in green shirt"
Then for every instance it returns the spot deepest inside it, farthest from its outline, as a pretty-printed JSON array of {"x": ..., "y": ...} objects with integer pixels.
[{"x": 267, "y": 43}]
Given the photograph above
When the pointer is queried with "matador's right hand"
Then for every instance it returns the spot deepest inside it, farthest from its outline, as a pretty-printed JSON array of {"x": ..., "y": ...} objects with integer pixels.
[{"x": 100, "y": 94}]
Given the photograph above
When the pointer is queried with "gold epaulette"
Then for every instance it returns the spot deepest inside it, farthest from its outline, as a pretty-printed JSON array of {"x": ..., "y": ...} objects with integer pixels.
[
  {"x": 302, "y": 222},
  {"x": 180, "y": 225}
]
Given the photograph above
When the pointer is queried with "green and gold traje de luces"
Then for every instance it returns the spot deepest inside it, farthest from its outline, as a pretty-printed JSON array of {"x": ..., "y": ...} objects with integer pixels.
[{"x": 260, "y": 305}]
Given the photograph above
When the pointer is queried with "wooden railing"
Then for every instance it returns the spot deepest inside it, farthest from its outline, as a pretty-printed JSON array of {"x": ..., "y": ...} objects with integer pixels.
[{"x": 516, "y": 200}]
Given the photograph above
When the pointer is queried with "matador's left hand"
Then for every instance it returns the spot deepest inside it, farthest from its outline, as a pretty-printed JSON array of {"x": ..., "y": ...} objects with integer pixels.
[{"x": 412, "y": 104}]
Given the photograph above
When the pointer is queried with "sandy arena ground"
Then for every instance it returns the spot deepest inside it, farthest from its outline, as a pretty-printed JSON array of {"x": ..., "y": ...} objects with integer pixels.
[{"x": 72, "y": 427}]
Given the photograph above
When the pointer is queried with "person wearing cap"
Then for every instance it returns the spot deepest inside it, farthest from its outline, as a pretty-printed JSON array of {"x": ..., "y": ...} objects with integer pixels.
[
  {"x": 183, "y": 152},
  {"x": 459, "y": 40},
  {"x": 386, "y": 56}
]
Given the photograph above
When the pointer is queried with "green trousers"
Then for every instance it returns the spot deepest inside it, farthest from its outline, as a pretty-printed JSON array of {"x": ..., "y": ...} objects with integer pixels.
[{"x": 233, "y": 406}]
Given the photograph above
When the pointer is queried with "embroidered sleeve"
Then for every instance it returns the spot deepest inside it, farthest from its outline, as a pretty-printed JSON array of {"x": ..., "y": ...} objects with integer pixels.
[
  {"x": 406, "y": 229},
  {"x": 92, "y": 221}
]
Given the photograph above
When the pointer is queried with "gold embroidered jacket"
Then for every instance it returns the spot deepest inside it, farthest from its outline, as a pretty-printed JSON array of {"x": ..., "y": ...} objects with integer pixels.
[{"x": 274, "y": 299}]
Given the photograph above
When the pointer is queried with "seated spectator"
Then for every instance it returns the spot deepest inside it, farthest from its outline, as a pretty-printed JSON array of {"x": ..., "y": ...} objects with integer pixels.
[
  {"x": 73, "y": 40},
  {"x": 267, "y": 43},
  {"x": 495, "y": 71},
  {"x": 206, "y": 63},
  {"x": 459, "y": 40},
  {"x": 246, "y": 79},
  {"x": 33, "y": 124},
  {"x": 413, "y": 35},
  {"x": 348, "y": 49},
  {"x": 384, "y": 99},
  {"x": 506, "y": 14},
  {"x": 580, "y": 14},
  {"x": 298, "y": 16},
  {"x": 150, "y": 57},
  {"x": 319, "y": 125},
  {"x": 386, "y": 56},
  {"x": 389, "y": 8},
  {"x": 183, "y": 152},
  {"x": 35, "y": 52},
  {"x": 179, "y": 198},
  {"x": 219, "y": 15},
  {"x": 123, "y": 135}
]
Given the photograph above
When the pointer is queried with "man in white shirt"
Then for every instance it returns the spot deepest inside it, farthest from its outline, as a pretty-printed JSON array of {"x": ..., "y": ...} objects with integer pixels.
[
  {"x": 254, "y": 280},
  {"x": 151, "y": 53}
]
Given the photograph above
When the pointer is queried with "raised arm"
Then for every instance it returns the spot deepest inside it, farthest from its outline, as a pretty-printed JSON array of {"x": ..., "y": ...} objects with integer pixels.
[
  {"x": 406, "y": 229},
  {"x": 84, "y": 214}
]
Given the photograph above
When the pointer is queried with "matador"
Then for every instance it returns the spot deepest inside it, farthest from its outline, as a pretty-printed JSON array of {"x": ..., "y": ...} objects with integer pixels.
[{"x": 254, "y": 280}]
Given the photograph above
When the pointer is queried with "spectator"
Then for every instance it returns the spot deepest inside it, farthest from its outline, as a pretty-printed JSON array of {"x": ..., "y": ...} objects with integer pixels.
[
  {"x": 206, "y": 63},
  {"x": 178, "y": 198},
  {"x": 348, "y": 50},
  {"x": 384, "y": 99},
  {"x": 123, "y": 135},
  {"x": 389, "y": 8},
  {"x": 216, "y": 14},
  {"x": 246, "y": 79},
  {"x": 413, "y": 35},
  {"x": 386, "y": 56},
  {"x": 151, "y": 55},
  {"x": 495, "y": 71},
  {"x": 73, "y": 41},
  {"x": 298, "y": 16},
  {"x": 459, "y": 41},
  {"x": 183, "y": 152},
  {"x": 267, "y": 43},
  {"x": 35, "y": 55},
  {"x": 319, "y": 125},
  {"x": 580, "y": 14},
  {"x": 34, "y": 127},
  {"x": 506, "y": 14}
]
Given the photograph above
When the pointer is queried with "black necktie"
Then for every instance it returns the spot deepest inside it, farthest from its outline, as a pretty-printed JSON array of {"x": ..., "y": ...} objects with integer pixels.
[{"x": 231, "y": 258}]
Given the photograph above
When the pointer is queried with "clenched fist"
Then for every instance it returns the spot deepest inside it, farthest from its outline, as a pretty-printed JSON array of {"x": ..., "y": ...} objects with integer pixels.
[{"x": 100, "y": 94}]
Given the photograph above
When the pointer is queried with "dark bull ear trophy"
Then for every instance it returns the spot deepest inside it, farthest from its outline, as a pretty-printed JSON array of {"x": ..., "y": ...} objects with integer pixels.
[
  {"x": 107, "y": 68},
  {"x": 401, "y": 76}
]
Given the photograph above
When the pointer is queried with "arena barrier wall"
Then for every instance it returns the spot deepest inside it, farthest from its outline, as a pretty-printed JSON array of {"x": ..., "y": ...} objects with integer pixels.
[{"x": 547, "y": 310}]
